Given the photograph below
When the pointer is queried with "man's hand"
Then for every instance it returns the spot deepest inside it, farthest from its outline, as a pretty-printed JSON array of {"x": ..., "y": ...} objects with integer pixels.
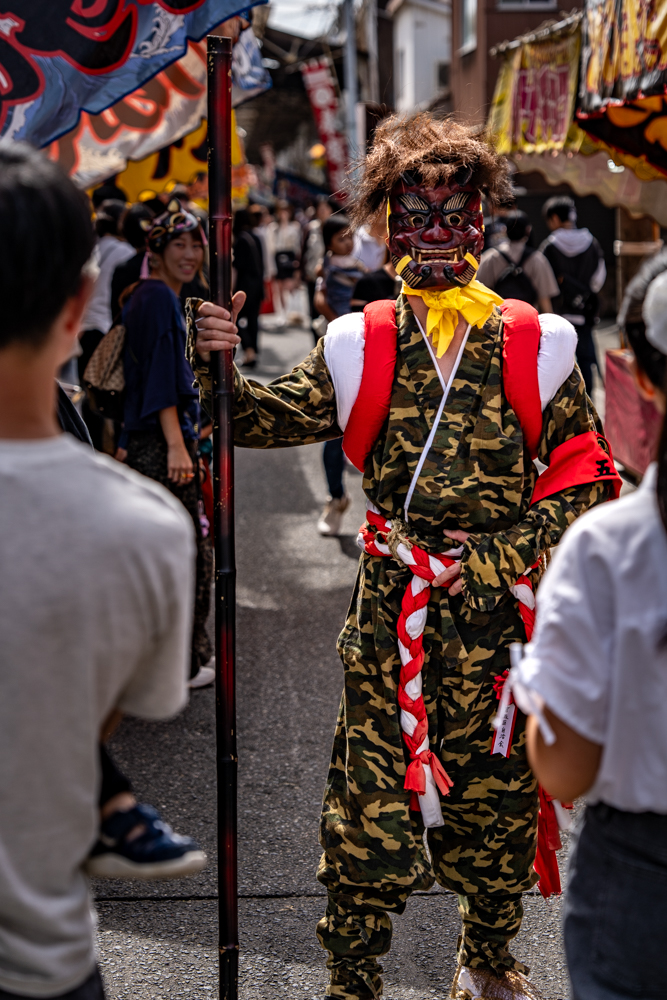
[
  {"x": 452, "y": 573},
  {"x": 216, "y": 330}
]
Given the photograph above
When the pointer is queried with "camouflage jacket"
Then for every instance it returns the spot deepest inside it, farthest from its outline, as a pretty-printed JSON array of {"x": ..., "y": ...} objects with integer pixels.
[{"x": 477, "y": 477}]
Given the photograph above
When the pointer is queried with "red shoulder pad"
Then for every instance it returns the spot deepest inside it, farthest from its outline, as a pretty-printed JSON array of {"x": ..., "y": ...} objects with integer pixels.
[
  {"x": 371, "y": 407},
  {"x": 521, "y": 342},
  {"x": 585, "y": 458}
]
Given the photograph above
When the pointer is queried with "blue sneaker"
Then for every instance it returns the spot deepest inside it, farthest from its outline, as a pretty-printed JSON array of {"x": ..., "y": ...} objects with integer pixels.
[{"x": 157, "y": 853}]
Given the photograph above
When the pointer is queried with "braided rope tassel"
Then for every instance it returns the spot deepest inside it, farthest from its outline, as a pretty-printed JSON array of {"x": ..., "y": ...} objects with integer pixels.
[{"x": 425, "y": 774}]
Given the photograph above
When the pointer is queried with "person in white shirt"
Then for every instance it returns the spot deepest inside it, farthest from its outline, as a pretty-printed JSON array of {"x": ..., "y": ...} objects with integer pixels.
[
  {"x": 594, "y": 678},
  {"x": 110, "y": 252},
  {"x": 370, "y": 245},
  {"x": 285, "y": 242},
  {"x": 96, "y": 593}
]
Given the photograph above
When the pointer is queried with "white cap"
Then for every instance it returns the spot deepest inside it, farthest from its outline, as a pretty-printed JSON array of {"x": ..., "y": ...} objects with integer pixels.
[{"x": 654, "y": 312}]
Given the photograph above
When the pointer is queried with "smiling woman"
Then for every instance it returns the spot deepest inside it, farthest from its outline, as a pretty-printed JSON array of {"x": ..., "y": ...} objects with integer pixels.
[{"x": 161, "y": 422}]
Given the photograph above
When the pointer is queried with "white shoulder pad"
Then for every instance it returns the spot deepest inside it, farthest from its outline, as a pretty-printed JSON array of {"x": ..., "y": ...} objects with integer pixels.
[
  {"x": 344, "y": 355},
  {"x": 556, "y": 356}
]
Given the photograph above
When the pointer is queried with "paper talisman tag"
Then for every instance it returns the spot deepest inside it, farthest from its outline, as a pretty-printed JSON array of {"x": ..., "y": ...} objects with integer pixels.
[{"x": 502, "y": 740}]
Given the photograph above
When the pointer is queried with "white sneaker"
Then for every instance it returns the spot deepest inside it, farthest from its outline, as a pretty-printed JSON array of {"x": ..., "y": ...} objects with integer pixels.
[
  {"x": 205, "y": 676},
  {"x": 331, "y": 517}
]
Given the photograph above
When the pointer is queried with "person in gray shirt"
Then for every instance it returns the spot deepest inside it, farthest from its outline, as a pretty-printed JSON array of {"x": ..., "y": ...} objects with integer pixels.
[{"x": 96, "y": 591}]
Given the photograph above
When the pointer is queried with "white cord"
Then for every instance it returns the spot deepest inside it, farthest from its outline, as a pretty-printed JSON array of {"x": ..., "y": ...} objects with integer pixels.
[{"x": 446, "y": 386}]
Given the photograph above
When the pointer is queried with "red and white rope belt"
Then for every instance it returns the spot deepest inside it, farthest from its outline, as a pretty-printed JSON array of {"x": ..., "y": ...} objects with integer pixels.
[{"x": 425, "y": 774}]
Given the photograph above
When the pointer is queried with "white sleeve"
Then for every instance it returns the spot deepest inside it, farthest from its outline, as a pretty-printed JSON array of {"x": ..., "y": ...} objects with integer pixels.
[
  {"x": 556, "y": 356},
  {"x": 598, "y": 279},
  {"x": 344, "y": 356},
  {"x": 157, "y": 687},
  {"x": 569, "y": 660}
]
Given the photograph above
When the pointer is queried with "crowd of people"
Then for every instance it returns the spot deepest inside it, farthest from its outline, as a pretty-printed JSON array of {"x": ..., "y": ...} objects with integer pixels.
[
  {"x": 281, "y": 248},
  {"x": 106, "y": 559}
]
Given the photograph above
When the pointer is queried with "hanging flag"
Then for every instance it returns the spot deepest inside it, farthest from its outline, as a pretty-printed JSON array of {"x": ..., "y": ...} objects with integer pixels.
[
  {"x": 320, "y": 83},
  {"x": 534, "y": 101},
  {"x": 623, "y": 82},
  {"x": 162, "y": 111},
  {"x": 178, "y": 163},
  {"x": 249, "y": 76},
  {"x": 625, "y": 52},
  {"x": 533, "y": 120},
  {"x": 165, "y": 109},
  {"x": 61, "y": 57}
]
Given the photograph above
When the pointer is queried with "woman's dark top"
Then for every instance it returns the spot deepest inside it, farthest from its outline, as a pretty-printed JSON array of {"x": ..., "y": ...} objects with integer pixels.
[
  {"x": 249, "y": 264},
  {"x": 157, "y": 374}
]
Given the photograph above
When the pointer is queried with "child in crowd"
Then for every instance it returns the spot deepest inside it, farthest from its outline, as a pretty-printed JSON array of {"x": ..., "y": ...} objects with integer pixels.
[
  {"x": 341, "y": 271},
  {"x": 595, "y": 679}
]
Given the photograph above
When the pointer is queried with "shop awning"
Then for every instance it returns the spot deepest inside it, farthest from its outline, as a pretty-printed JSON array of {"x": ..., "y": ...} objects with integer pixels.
[{"x": 623, "y": 79}]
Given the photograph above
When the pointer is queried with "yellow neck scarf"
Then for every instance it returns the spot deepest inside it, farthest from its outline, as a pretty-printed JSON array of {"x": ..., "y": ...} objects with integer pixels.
[{"x": 474, "y": 301}]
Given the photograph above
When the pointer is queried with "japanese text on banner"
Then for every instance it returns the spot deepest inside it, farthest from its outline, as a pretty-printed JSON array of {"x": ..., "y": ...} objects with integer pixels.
[{"x": 319, "y": 82}]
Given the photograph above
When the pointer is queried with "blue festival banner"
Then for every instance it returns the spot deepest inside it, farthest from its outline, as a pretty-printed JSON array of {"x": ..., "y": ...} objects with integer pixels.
[
  {"x": 249, "y": 76},
  {"x": 61, "y": 57}
]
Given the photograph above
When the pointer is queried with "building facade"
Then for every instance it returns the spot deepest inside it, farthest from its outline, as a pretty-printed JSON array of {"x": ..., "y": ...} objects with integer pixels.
[
  {"x": 422, "y": 52},
  {"x": 477, "y": 26}
]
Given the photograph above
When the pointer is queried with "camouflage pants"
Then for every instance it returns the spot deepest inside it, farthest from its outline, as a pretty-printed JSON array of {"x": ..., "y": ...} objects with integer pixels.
[{"x": 373, "y": 844}]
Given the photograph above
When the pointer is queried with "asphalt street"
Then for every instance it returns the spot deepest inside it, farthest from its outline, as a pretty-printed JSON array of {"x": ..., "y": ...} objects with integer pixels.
[{"x": 159, "y": 940}]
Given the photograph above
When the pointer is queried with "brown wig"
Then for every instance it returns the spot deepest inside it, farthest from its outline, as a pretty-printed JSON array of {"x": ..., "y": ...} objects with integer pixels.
[{"x": 435, "y": 150}]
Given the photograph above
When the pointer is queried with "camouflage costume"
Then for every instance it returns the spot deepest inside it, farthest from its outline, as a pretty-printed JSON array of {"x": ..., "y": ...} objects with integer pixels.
[{"x": 477, "y": 477}]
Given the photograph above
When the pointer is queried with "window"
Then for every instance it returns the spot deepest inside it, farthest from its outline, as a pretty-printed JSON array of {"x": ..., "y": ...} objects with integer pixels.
[
  {"x": 400, "y": 73},
  {"x": 468, "y": 26},
  {"x": 443, "y": 76}
]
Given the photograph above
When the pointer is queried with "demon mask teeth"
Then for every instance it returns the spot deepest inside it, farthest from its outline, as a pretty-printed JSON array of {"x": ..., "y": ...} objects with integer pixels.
[{"x": 433, "y": 229}]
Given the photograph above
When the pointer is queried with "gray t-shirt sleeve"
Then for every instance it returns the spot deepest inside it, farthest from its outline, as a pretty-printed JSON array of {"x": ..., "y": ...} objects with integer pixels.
[
  {"x": 540, "y": 272},
  {"x": 156, "y": 688},
  {"x": 491, "y": 266}
]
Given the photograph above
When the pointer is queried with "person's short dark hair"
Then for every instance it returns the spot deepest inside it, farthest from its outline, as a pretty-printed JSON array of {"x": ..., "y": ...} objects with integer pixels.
[
  {"x": 562, "y": 206},
  {"x": 131, "y": 227},
  {"x": 108, "y": 216},
  {"x": 334, "y": 224},
  {"x": 243, "y": 220},
  {"x": 109, "y": 191},
  {"x": 516, "y": 224},
  {"x": 256, "y": 213},
  {"x": 46, "y": 238}
]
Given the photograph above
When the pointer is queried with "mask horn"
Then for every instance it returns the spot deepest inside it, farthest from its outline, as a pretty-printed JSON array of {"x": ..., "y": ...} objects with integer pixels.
[{"x": 412, "y": 180}]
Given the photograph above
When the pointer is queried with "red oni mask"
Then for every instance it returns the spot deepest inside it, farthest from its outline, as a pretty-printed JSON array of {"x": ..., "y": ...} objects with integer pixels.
[{"x": 435, "y": 227}]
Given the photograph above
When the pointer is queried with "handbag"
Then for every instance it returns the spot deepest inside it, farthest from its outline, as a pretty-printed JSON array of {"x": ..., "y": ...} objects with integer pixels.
[{"x": 104, "y": 376}]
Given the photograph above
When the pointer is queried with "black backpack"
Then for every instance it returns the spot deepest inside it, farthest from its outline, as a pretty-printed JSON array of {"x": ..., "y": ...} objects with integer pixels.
[
  {"x": 574, "y": 274},
  {"x": 514, "y": 283}
]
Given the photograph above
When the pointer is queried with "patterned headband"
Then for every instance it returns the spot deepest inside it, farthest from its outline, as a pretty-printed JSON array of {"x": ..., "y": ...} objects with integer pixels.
[{"x": 169, "y": 225}]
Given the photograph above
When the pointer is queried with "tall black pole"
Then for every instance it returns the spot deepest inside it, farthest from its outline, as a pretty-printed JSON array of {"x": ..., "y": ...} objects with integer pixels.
[{"x": 219, "y": 55}]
